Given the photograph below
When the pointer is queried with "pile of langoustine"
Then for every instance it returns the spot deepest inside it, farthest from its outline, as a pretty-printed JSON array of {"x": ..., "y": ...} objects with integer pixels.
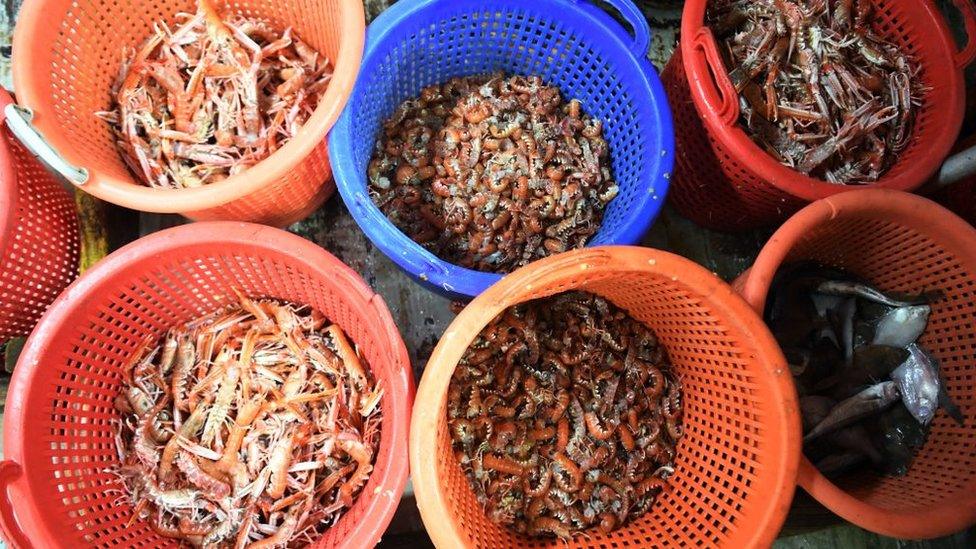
[
  {"x": 820, "y": 90},
  {"x": 255, "y": 426},
  {"x": 207, "y": 99},
  {"x": 565, "y": 415},
  {"x": 493, "y": 172}
]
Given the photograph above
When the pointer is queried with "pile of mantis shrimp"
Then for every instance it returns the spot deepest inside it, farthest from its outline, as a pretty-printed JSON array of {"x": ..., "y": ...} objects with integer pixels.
[{"x": 819, "y": 88}]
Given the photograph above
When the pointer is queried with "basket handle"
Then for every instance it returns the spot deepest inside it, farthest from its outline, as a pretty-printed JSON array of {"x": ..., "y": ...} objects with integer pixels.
[
  {"x": 638, "y": 24},
  {"x": 965, "y": 56},
  {"x": 19, "y": 119},
  {"x": 9, "y": 528},
  {"x": 718, "y": 92}
]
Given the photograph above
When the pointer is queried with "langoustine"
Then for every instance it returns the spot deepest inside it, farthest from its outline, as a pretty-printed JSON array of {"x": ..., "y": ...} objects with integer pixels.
[
  {"x": 255, "y": 426},
  {"x": 211, "y": 97}
]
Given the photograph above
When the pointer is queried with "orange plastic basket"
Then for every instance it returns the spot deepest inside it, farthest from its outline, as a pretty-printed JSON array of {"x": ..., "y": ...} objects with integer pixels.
[
  {"x": 724, "y": 181},
  {"x": 736, "y": 462},
  {"x": 39, "y": 242},
  {"x": 57, "y": 432},
  {"x": 899, "y": 242},
  {"x": 67, "y": 54}
]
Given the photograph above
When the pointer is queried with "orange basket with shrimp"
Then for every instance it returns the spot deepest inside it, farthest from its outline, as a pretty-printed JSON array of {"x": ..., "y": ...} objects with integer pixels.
[
  {"x": 57, "y": 485},
  {"x": 735, "y": 464},
  {"x": 899, "y": 242},
  {"x": 67, "y": 55},
  {"x": 39, "y": 240}
]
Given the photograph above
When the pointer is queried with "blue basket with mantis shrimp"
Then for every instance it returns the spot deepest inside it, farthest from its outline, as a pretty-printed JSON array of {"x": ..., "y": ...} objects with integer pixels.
[{"x": 571, "y": 44}]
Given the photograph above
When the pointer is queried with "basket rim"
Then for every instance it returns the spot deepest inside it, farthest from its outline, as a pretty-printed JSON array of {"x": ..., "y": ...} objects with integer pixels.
[
  {"x": 8, "y": 180},
  {"x": 437, "y": 513},
  {"x": 440, "y": 275},
  {"x": 933, "y": 521},
  {"x": 747, "y": 152},
  {"x": 33, "y": 93},
  {"x": 376, "y": 516}
]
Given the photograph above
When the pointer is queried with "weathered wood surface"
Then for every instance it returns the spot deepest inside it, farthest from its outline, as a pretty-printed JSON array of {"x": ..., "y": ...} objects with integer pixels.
[{"x": 423, "y": 316}]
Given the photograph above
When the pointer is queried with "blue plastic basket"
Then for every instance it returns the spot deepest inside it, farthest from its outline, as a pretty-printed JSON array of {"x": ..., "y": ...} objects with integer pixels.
[{"x": 569, "y": 43}]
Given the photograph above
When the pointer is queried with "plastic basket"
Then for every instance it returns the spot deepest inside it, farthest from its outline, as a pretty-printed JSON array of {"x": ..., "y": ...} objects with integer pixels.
[
  {"x": 58, "y": 439},
  {"x": 569, "y": 43},
  {"x": 39, "y": 241},
  {"x": 899, "y": 242},
  {"x": 67, "y": 54},
  {"x": 725, "y": 181},
  {"x": 736, "y": 463}
]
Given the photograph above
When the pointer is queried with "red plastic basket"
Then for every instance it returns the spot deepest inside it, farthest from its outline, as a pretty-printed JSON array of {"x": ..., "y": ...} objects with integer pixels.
[
  {"x": 724, "y": 181},
  {"x": 67, "y": 55},
  {"x": 900, "y": 242},
  {"x": 39, "y": 241},
  {"x": 58, "y": 437}
]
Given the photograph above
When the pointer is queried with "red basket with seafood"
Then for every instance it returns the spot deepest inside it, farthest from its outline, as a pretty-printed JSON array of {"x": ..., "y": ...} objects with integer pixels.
[
  {"x": 39, "y": 241},
  {"x": 66, "y": 416},
  {"x": 900, "y": 243},
  {"x": 206, "y": 121},
  {"x": 724, "y": 180}
]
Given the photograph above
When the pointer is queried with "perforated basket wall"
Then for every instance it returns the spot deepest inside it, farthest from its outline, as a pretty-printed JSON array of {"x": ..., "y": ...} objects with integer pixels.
[
  {"x": 58, "y": 429},
  {"x": 570, "y": 44},
  {"x": 724, "y": 181},
  {"x": 899, "y": 242},
  {"x": 39, "y": 247},
  {"x": 67, "y": 56},
  {"x": 735, "y": 464}
]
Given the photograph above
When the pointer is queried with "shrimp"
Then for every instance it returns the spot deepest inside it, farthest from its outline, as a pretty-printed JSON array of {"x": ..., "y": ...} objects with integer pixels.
[
  {"x": 363, "y": 457},
  {"x": 278, "y": 466},
  {"x": 221, "y": 406},
  {"x": 211, "y": 487}
]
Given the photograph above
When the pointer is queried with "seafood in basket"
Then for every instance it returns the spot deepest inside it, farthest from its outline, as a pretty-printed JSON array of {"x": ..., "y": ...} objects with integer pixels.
[
  {"x": 565, "y": 415},
  {"x": 868, "y": 390},
  {"x": 212, "y": 96},
  {"x": 255, "y": 426},
  {"x": 493, "y": 172},
  {"x": 819, "y": 89}
]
